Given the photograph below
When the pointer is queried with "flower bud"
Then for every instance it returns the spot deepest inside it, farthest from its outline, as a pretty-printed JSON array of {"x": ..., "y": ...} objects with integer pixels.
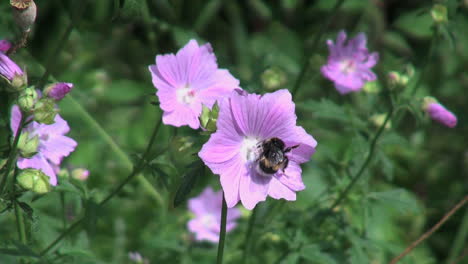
[
  {"x": 27, "y": 146},
  {"x": 57, "y": 91},
  {"x": 80, "y": 174},
  {"x": 27, "y": 99},
  {"x": 273, "y": 78},
  {"x": 24, "y": 13},
  {"x": 34, "y": 180},
  {"x": 371, "y": 87},
  {"x": 439, "y": 113},
  {"x": 209, "y": 117},
  {"x": 379, "y": 119},
  {"x": 5, "y": 45},
  {"x": 44, "y": 111},
  {"x": 12, "y": 73},
  {"x": 439, "y": 14}
]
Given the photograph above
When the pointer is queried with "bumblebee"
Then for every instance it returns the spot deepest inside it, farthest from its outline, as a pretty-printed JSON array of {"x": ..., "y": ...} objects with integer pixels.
[{"x": 273, "y": 157}]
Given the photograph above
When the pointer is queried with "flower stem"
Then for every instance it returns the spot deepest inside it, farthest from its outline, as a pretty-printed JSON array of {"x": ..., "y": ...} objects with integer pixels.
[
  {"x": 363, "y": 167},
  {"x": 314, "y": 45},
  {"x": 13, "y": 152},
  {"x": 20, "y": 223},
  {"x": 115, "y": 148},
  {"x": 248, "y": 237},
  {"x": 222, "y": 232},
  {"x": 134, "y": 173}
]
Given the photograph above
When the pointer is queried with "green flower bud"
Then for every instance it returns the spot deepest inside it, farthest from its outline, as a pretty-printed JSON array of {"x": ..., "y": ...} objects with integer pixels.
[
  {"x": 439, "y": 14},
  {"x": 27, "y": 146},
  {"x": 63, "y": 174},
  {"x": 34, "y": 180},
  {"x": 27, "y": 99},
  {"x": 44, "y": 111},
  {"x": 371, "y": 87},
  {"x": 273, "y": 78},
  {"x": 208, "y": 118},
  {"x": 18, "y": 83},
  {"x": 379, "y": 119}
]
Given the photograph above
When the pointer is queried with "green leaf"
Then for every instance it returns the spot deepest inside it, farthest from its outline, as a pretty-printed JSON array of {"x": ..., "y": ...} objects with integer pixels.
[
  {"x": 398, "y": 199},
  {"x": 19, "y": 250},
  {"x": 415, "y": 24},
  {"x": 326, "y": 109},
  {"x": 188, "y": 182},
  {"x": 314, "y": 254}
]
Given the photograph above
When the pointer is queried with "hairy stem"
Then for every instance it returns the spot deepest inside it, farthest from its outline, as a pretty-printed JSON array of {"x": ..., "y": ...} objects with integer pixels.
[
  {"x": 222, "y": 232},
  {"x": 314, "y": 45},
  {"x": 134, "y": 173},
  {"x": 147, "y": 186},
  {"x": 13, "y": 152},
  {"x": 248, "y": 237},
  {"x": 20, "y": 223}
]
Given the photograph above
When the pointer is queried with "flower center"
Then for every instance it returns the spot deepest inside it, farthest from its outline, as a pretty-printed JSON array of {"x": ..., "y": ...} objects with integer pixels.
[
  {"x": 347, "y": 66},
  {"x": 185, "y": 95},
  {"x": 208, "y": 221},
  {"x": 249, "y": 149}
]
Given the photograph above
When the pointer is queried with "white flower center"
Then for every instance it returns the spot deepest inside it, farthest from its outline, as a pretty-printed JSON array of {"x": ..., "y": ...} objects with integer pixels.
[
  {"x": 249, "y": 149},
  {"x": 208, "y": 221},
  {"x": 185, "y": 95},
  {"x": 347, "y": 66}
]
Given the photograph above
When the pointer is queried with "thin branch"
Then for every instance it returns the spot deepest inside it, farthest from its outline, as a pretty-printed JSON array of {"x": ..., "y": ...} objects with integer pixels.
[{"x": 431, "y": 231}]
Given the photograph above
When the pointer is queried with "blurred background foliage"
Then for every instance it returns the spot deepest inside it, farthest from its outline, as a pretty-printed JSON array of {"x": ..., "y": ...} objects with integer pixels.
[{"x": 418, "y": 172}]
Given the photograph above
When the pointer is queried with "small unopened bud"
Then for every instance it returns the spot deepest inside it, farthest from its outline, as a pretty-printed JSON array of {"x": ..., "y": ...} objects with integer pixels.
[
  {"x": 27, "y": 146},
  {"x": 27, "y": 99},
  {"x": 379, "y": 119},
  {"x": 439, "y": 113},
  {"x": 439, "y": 14},
  {"x": 44, "y": 111},
  {"x": 34, "y": 180},
  {"x": 57, "y": 91},
  {"x": 371, "y": 87},
  {"x": 24, "y": 13},
  {"x": 273, "y": 78},
  {"x": 5, "y": 45},
  {"x": 12, "y": 73},
  {"x": 80, "y": 174},
  {"x": 208, "y": 118}
]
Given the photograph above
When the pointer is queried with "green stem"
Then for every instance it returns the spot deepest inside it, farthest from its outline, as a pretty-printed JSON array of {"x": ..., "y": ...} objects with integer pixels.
[
  {"x": 126, "y": 162},
  {"x": 134, "y": 173},
  {"x": 363, "y": 167},
  {"x": 314, "y": 45},
  {"x": 222, "y": 232},
  {"x": 248, "y": 237},
  {"x": 20, "y": 223},
  {"x": 13, "y": 153}
]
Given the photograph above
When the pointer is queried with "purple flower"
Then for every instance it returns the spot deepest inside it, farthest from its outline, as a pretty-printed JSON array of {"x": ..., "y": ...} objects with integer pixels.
[
  {"x": 207, "y": 210},
  {"x": 58, "y": 91},
  {"x": 234, "y": 150},
  {"x": 8, "y": 68},
  {"x": 53, "y": 144},
  {"x": 188, "y": 80},
  {"x": 349, "y": 63},
  {"x": 137, "y": 258},
  {"x": 5, "y": 45},
  {"x": 440, "y": 114}
]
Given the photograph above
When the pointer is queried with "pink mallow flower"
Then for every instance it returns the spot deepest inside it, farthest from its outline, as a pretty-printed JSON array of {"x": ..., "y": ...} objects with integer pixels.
[
  {"x": 57, "y": 91},
  {"x": 236, "y": 149},
  {"x": 188, "y": 80},
  {"x": 53, "y": 144},
  {"x": 8, "y": 68},
  {"x": 349, "y": 63},
  {"x": 5, "y": 45},
  {"x": 207, "y": 210},
  {"x": 440, "y": 114}
]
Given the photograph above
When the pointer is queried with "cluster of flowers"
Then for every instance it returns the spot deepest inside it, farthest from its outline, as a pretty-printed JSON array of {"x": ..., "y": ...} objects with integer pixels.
[{"x": 42, "y": 143}]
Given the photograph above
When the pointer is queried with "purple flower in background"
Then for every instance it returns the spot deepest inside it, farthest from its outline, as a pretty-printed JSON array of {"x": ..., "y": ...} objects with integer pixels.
[
  {"x": 5, "y": 45},
  {"x": 53, "y": 144},
  {"x": 235, "y": 150},
  {"x": 188, "y": 80},
  {"x": 440, "y": 114},
  {"x": 8, "y": 68},
  {"x": 58, "y": 91},
  {"x": 207, "y": 210},
  {"x": 137, "y": 258},
  {"x": 349, "y": 63}
]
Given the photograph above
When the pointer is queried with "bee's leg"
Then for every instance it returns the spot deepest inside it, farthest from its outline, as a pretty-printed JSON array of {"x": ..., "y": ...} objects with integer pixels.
[
  {"x": 290, "y": 148},
  {"x": 285, "y": 164}
]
